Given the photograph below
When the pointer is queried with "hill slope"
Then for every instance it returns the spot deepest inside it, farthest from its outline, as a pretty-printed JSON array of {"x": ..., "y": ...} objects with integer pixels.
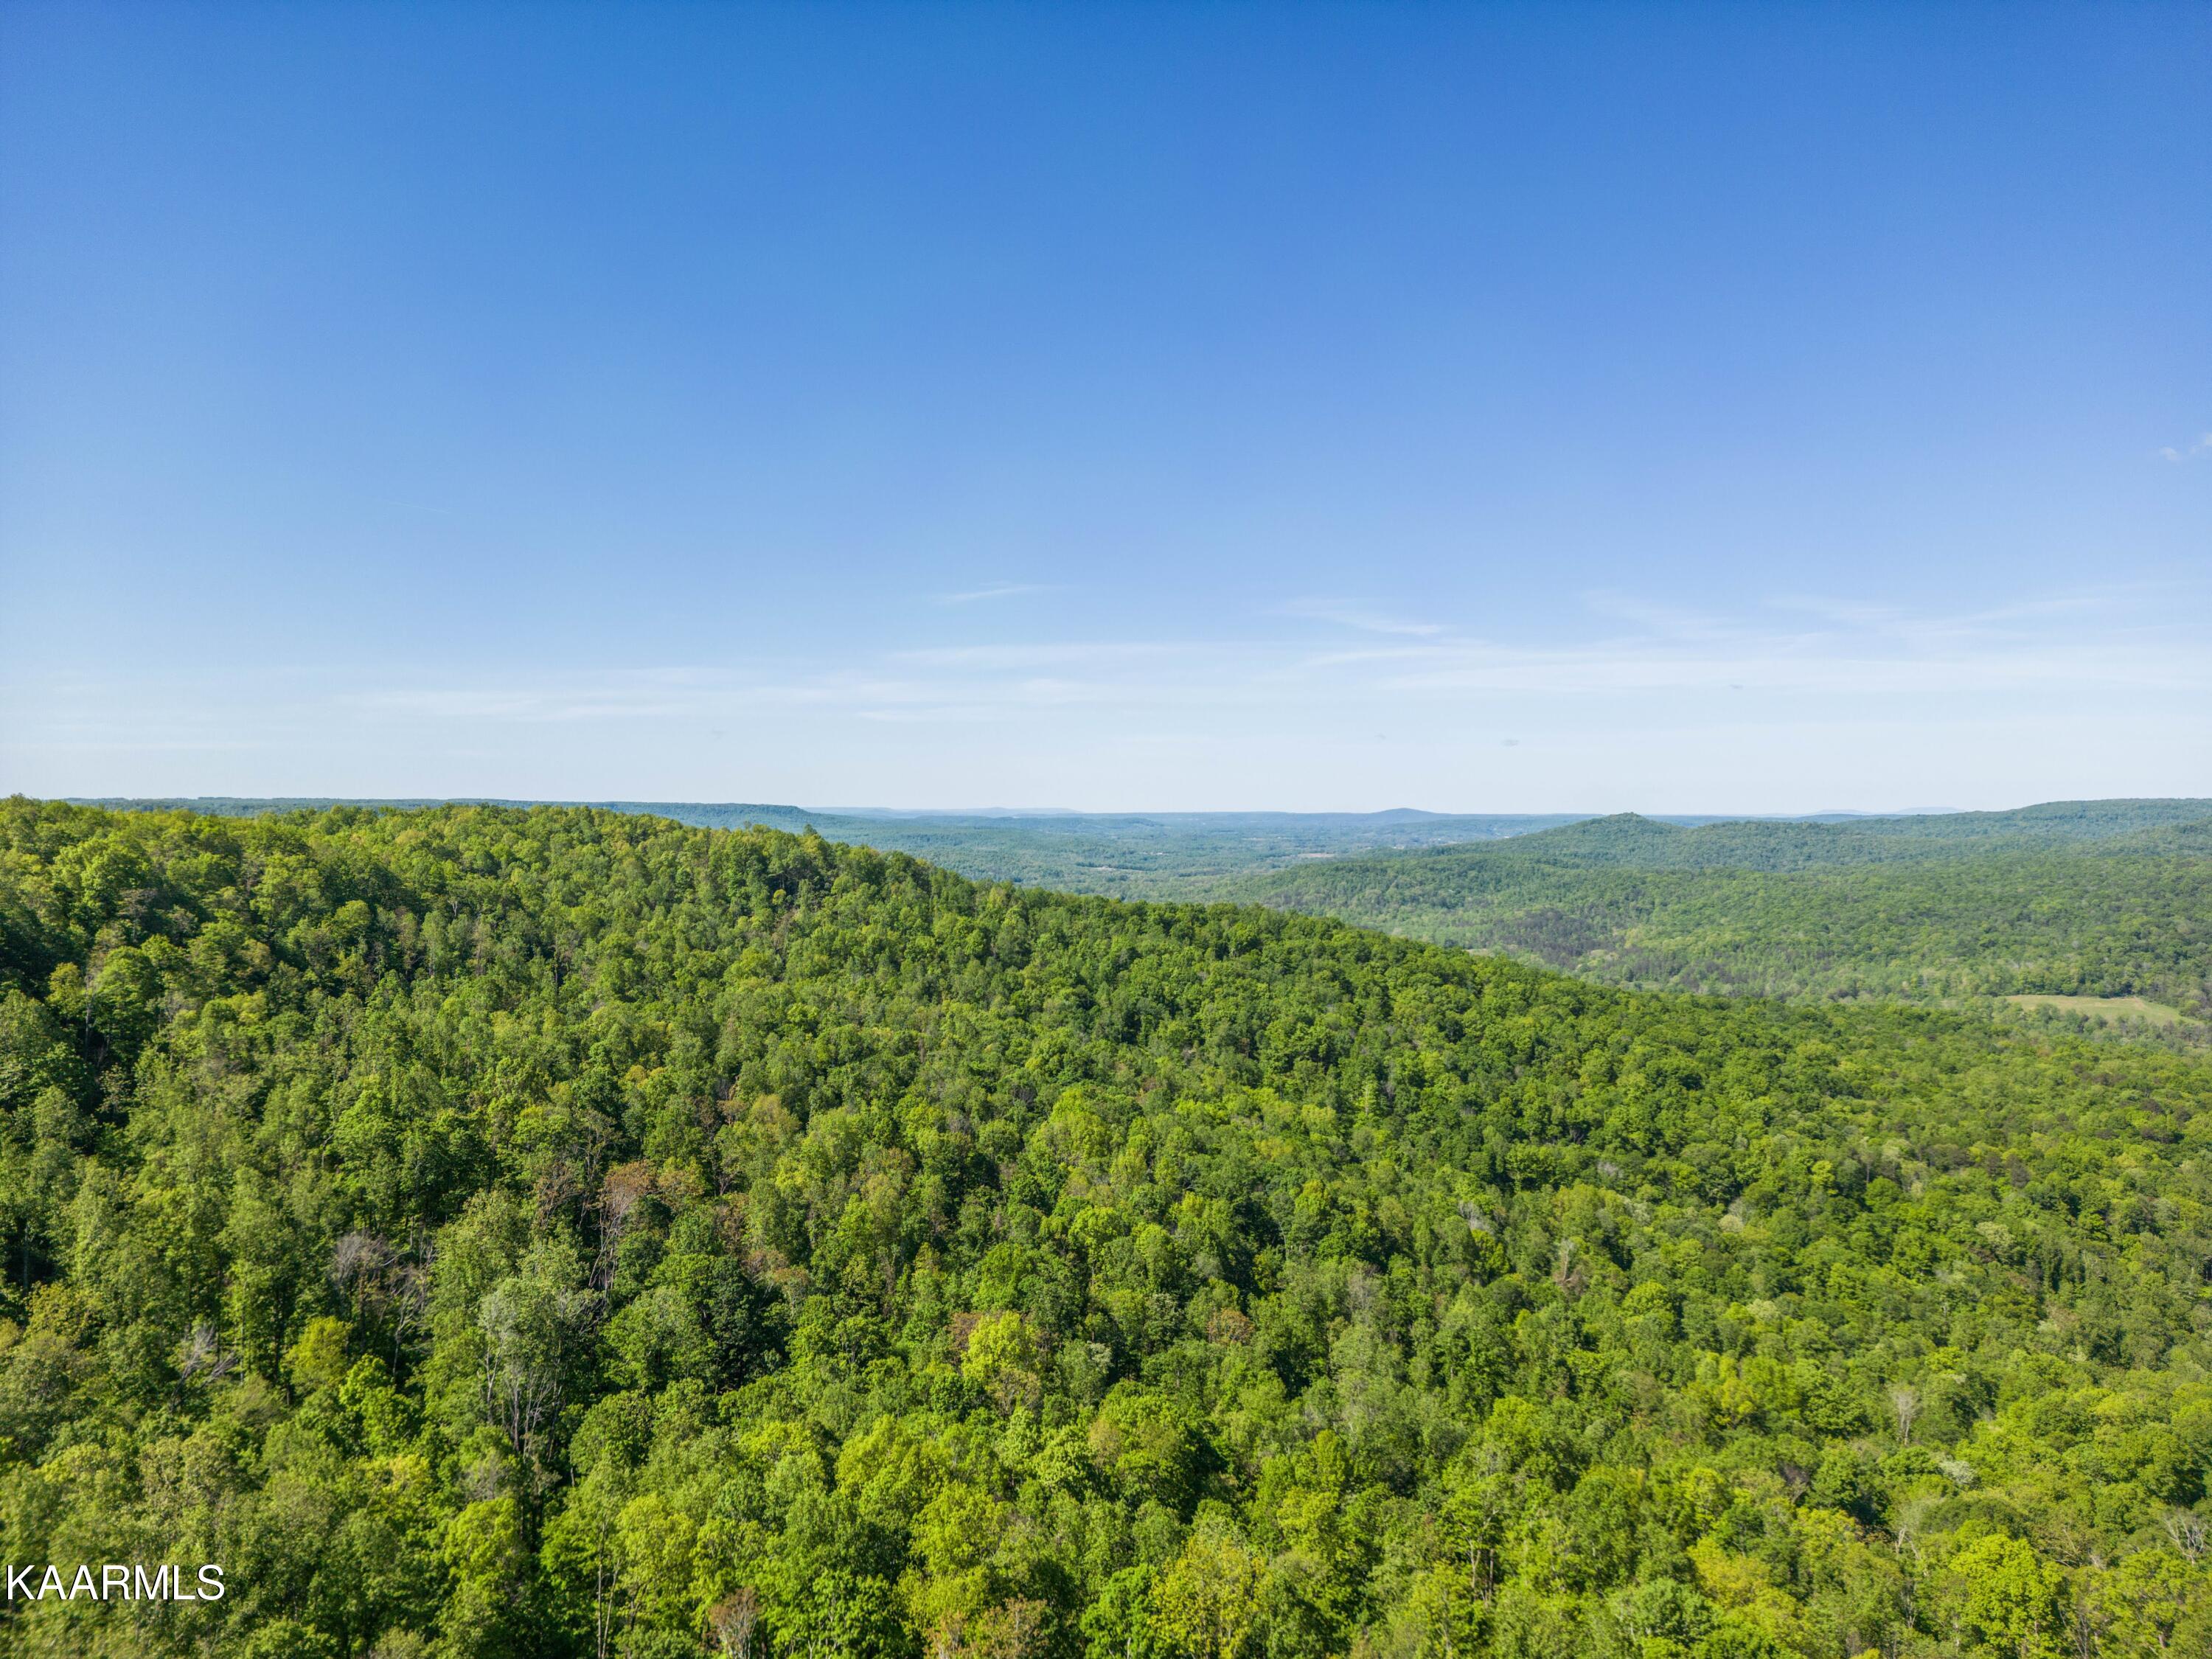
[
  {"x": 2115, "y": 901},
  {"x": 1629, "y": 840},
  {"x": 555, "y": 1232}
]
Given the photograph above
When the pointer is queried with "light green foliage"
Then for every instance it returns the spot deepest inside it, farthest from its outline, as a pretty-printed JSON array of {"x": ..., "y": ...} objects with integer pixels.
[
  {"x": 2012, "y": 1603},
  {"x": 1207, "y": 1603},
  {"x": 1002, "y": 1359},
  {"x": 560, "y": 1233}
]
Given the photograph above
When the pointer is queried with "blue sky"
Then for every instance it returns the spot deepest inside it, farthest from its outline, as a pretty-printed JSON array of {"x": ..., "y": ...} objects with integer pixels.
[{"x": 1478, "y": 408}]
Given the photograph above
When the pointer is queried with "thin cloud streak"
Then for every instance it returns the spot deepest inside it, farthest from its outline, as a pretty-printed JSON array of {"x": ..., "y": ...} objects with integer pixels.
[
  {"x": 997, "y": 591},
  {"x": 2050, "y": 652},
  {"x": 1905, "y": 657},
  {"x": 1359, "y": 618},
  {"x": 1051, "y": 653}
]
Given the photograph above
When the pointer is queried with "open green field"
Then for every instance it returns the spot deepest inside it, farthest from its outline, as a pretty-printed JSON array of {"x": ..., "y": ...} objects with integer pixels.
[{"x": 2141, "y": 1008}]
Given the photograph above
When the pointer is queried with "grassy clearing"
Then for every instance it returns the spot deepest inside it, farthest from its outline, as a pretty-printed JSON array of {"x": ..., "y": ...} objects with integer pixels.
[{"x": 2141, "y": 1008}]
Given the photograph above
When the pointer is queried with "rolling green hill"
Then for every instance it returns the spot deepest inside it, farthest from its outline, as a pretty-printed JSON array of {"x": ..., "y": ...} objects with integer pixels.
[
  {"x": 2107, "y": 899},
  {"x": 1629, "y": 841},
  {"x": 494, "y": 1232}
]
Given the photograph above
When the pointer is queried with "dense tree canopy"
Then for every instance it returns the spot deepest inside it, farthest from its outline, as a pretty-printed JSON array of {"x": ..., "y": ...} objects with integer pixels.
[{"x": 550, "y": 1232}]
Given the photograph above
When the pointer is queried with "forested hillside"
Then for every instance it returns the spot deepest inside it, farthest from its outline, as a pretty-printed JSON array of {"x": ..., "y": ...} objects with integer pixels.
[
  {"x": 1631, "y": 840},
  {"x": 1119, "y": 854},
  {"x": 553, "y": 1232},
  {"x": 2102, "y": 900}
]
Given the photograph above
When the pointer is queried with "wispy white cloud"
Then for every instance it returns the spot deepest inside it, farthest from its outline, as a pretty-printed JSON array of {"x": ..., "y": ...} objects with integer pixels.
[
  {"x": 1802, "y": 666},
  {"x": 2189, "y": 452},
  {"x": 1359, "y": 618},
  {"x": 1798, "y": 646},
  {"x": 634, "y": 693},
  {"x": 996, "y": 591},
  {"x": 1654, "y": 617},
  {"x": 2110, "y": 637},
  {"x": 1032, "y": 709},
  {"x": 1045, "y": 653},
  {"x": 1807, "y": 645}
]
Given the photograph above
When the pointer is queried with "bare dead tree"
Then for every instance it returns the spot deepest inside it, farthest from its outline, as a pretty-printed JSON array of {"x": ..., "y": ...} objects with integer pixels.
[
  {"x": 202, "y": 1354},
  {"x": 1905, "y": 1406},
  {"x": 2186, "y": 1532},
  {"x": 627, "y": 1186},
  {"x": 732, "y": 1621}
]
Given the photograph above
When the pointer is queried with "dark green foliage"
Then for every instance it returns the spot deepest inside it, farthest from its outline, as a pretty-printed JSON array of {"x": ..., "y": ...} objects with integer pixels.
[{"x": 556, "y": 1232}]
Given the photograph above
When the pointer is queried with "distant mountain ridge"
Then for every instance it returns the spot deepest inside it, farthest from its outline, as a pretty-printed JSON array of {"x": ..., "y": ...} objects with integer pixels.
[
  {"x": 2068, "y": 899},
  {"x": 1631, "y": 840}
]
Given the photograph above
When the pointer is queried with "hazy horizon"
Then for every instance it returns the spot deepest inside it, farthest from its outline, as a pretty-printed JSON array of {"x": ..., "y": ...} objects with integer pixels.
[{"x": 1051, "y": 811}]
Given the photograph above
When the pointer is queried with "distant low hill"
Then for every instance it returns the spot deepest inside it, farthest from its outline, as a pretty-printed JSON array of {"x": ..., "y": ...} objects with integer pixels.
[
  {"x": 2071, "y": 898},
  {"x": 1628, "y": 839}
]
